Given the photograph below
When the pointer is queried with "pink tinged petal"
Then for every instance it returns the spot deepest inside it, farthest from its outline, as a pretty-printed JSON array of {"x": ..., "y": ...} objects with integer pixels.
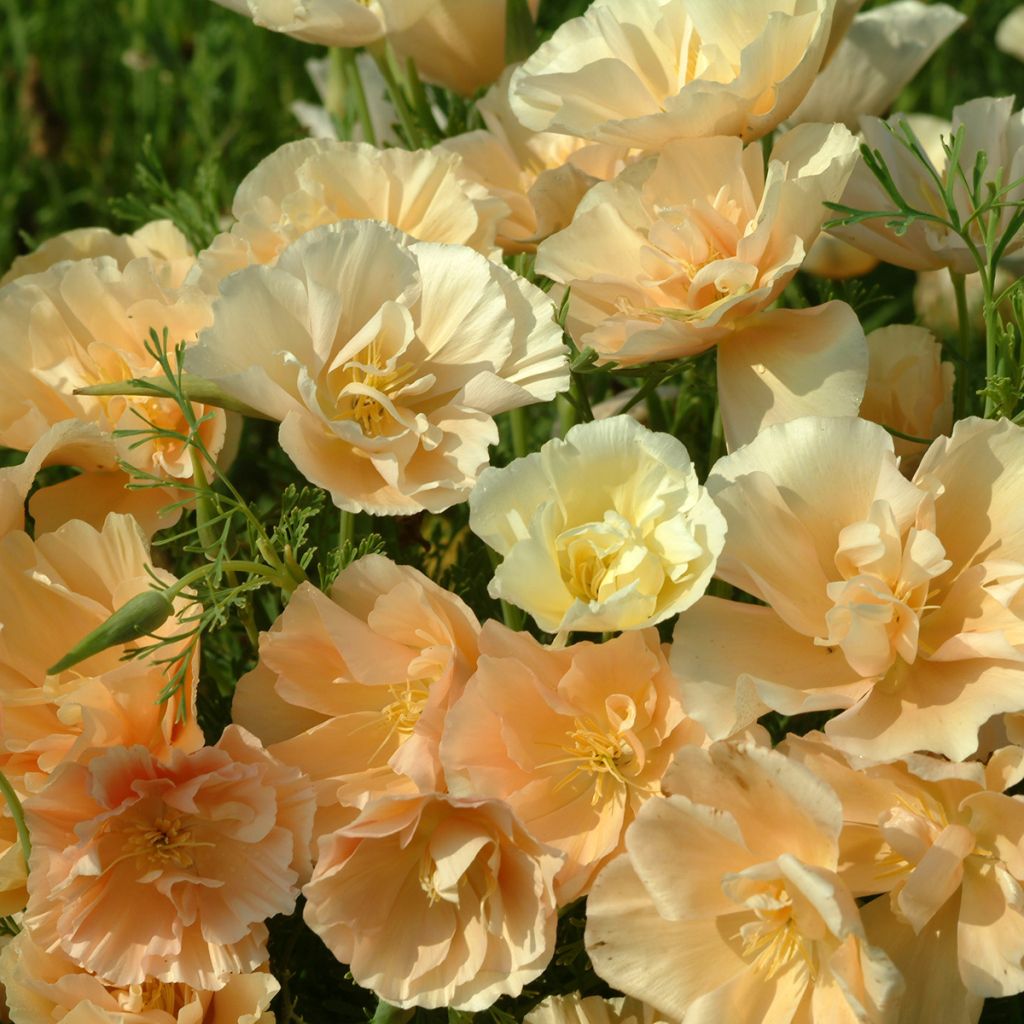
[
  {"x": 936, "y": 877},
  {"x": 991, "y": 931},
  {"x": 783, "y": 364}
]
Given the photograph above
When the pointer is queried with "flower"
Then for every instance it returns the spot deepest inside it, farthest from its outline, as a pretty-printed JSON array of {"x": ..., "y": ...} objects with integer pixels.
[
  {"x": 159, "y": 241},
  {"x": 909, "y": 388},
  {"x": 688, "y": 249},
  {"x": 895, "y": 600},
  {"x": 434, "y": 901},
  {"x": 607, "y": 529},
  {"x": 645, "y": 72},
  {"x": 384, "y": 360},
  {"x": 353, "y": 686},
  {"x": 43, "y": 988},
  {"x": 324, "y": 22},
  {"x": 727, "y": 905},
  {"x": 574, "y": 740},
  {"x": 307, "y": 184},
  {"x": 166, "y": 870},
  {"x": 1010, "y": 34},
  {"x": 942, "y": 841},
  {"x": 13, "y": 869},
  {"x": 991, "y": 128},
  {"x": 576, "y": 1009},
  {"x": 828, "y": 257}
]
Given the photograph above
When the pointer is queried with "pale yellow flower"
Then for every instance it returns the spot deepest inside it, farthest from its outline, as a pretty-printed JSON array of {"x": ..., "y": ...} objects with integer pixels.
[
  {"x": 895, "y": 600},
  {"x": 645, "y": 72},
  {"x": 167, "y": 870},
  {"x": 576, "y": 1009},
  {"x": 47, "y": 987},
  {"x": 308, "y": 184},
  {"x": 607, "y": 529},
  {"x": 574, "y": 740},
  {"x": 385, "y": 361},
  {"x": 434, "y": 901},
  {"x": 727, "y": 905},
  {"x": 325, "y": 22},
  {"x": 353, "y": 686}
]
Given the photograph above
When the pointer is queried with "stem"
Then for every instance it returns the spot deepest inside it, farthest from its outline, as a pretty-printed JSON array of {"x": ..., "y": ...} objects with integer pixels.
[
  {"x": 406, "y": 115},
  {"x": 346, "y": 528},
  {"x": 14, "y": 805},
  {"x": 284, "y": 582},
  {"x": 993, "y": 331},
  {"x": 963, "y": 376},
  {"x": 517, "y": 420},
  {"x": 355, "y": 82},
  {"x": 716, "y": 443}
]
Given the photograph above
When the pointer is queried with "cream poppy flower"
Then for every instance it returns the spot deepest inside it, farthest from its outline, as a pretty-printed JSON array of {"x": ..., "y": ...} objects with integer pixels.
[
  {"x": 353, "y": 686},
  {"x": 727, "y": 905},
  {"x": 385, "y": 360},
  {"x": 44, "y": 988},
  {"x": 991, "y": 128},
  {"x": 607, "y": 529},
  {"x": 576, "y": 1009},
  {"x": 909, "y": 388},
  {"x": 462, "y": 909},
  {"x": 943, "y": 843},
  {"x": 905, "y": 609},
  {"x": 159, "y": 241},
  {"x": 688, "y": 249},
  {"x": 308, "y": 184},
  {"x": 645, "y": 72},
  {"x": 574, "y": 740},
  {"x": 167, "y": 870},
  {"x": 1010, "y": 34},
  {"x": 345, "y": 23},
  {"x": 55, "y": 590}
]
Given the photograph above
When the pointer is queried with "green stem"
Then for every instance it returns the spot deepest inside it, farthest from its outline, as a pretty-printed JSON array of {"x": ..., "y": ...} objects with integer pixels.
[
  {"x": 14, "y": 804},
  {"x": 354, "y": 80},
  {"x": 962, "y": 398},
  {"x": 993, "y": 332},
  {"x": 405, "y": 112},
  {"x": 346, "y": 528},
  {"x": 716, "y": 443},
  {"x": 282, "y": 580},
  {"x": 517, "y": 420}
]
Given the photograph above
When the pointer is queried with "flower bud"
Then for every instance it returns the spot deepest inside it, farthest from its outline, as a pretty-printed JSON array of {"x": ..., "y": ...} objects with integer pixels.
[{"x": 141, "y": 615}]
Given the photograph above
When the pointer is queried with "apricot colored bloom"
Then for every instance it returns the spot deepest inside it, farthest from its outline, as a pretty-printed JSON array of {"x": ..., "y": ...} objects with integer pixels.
[
  {"x": 353, "y": 686},
  {"x": 13, "y": 869},
  {"x": 909, "y": 388},
  {"x": 943, "y": 843},
  {"x": 828, "y": 257},
  {"x": 44, "y": 988},
  {"x": 167, "y": 870},
  {"x": 314, "y": 182},
  {"x": 727, "y": 905},
  {"x": 159, "y": 241},
  {"x": 434, "y": 901},
  {"x": 540, "y": 175},
  {"x": 88, "y": 322},
  {"x": 607, "y": 529},
  {"x": 54, "y": 591},
  {"x": 904, "y": 611},
  {"x": 991, "y": 127},
  {"x": 385, "y": 361},
  {"x": 574, "y": 740},
  {"x": 645, "y": 72},
  {"x": 1010, "y": 34},
  {"x": 576, "y": 1009},
  {"x": 688, "y": 249}
]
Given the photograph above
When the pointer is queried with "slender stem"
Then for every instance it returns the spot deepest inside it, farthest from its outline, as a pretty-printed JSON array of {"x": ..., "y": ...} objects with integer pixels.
[
  {"x": 993, "y": 332},
  {"x": 963, "y": 374},
  {"x": 406, "y": 115},
  {"x": 355, "y": 82},
  {"x": 517, "y": 420},
  {"x": 346, "y": 528},
  {"x": 14, "y": 805},
  {"x": 566, "y": 414},
  {"x": 279, "y": 579},
  {"x": 716, "y": 444}
]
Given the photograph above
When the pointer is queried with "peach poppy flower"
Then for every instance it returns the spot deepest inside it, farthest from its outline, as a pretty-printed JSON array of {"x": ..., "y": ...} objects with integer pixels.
[
  {"x": 943, "y": 843},
  {"x": 542, "y": 176},
  {"x": 909, "y": 388},
  {"x": 55, "y": 590},
  {"x": 44, "y": 988},
  {"x": 385, "y": 361},
  {"x": 13, "y": 869},
  {"x": 828, "y": 257},
  {"x": 308, "y": 184},
  {"x": 607, "y": 529},
  {"x": 353, "y": 686},
  {"x": 576, "y": 1009},
  {"x": 159, "y": 241},
  {"x": 905, "y": 609},
  {"x": 167, "y": 870},
  {"x": 574, "y": 740},
  {"x": 434, "y": 901},
  {"x": 727, "y": 905},
  {"x": 991, "y": 127},
  {"x": 688, "y": 249},
  {"x": 645, "y": 72}
]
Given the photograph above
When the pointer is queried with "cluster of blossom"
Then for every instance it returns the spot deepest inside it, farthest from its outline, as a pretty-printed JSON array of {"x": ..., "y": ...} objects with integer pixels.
[{"x": 436, "y": 789}]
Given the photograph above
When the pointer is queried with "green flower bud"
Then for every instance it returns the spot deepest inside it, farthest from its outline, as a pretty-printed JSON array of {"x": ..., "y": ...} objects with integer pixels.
[{"x": 141, "y": 615}]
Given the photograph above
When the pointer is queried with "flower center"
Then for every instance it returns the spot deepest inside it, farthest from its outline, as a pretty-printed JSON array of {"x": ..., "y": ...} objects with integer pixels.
[
  {"x": 170, "y": 997},
  {"x": 773, "y": 939},
  {"x": 165, "y": 841},
  {"x": 404, "y": 711}
]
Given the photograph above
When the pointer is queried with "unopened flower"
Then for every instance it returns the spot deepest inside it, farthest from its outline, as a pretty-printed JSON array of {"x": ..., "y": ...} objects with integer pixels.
[
  {"x": 167, "y": 870},
  {"x": 574, "y": 740},
  {"x": 324, "y": 22},
  {"x": 905, "y": 610},
  {"x": 308, "y": 184},
  {"x": 385, "y": 361},
  {"x": 1010, "y": 34},
  {"x": 434, "y": 901},
  {"x": 48, "y": 987},
  {"x": 353, "y": 686},
  {"x": 727, "y": 905},
  {"x": 645, "y": 72},
  {"x": 607, "y": 529}
]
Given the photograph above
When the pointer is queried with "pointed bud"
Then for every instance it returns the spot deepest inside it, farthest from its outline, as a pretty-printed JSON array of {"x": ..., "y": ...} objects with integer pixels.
[{"x": 141, "y": 615}]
